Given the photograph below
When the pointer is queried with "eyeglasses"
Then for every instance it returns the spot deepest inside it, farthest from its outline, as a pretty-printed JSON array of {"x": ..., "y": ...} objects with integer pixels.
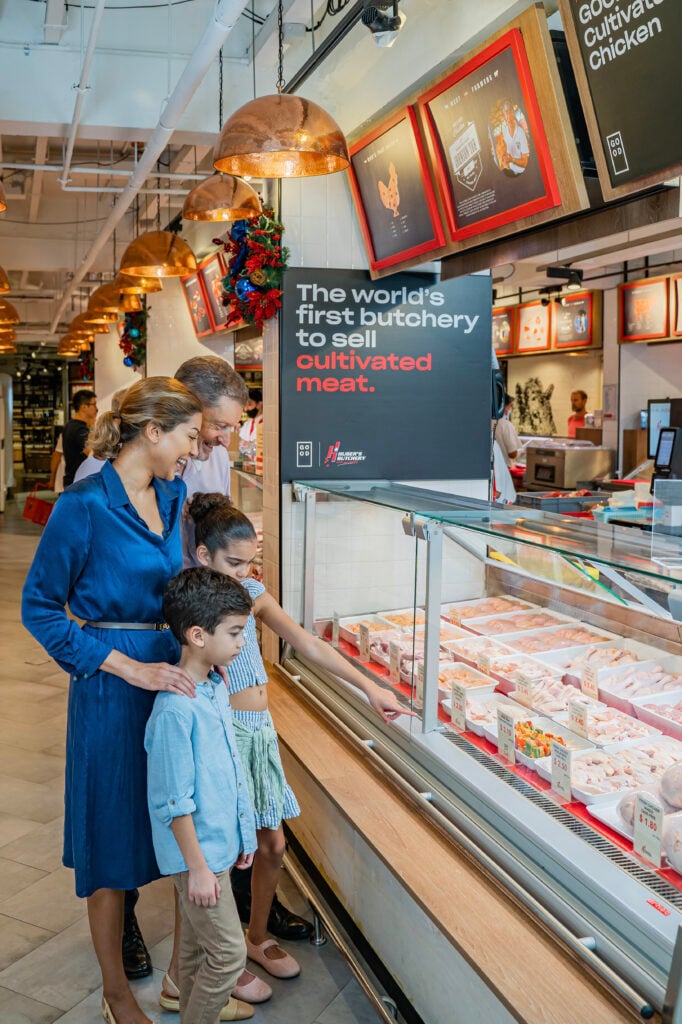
[{"x": 223, "y": 428}]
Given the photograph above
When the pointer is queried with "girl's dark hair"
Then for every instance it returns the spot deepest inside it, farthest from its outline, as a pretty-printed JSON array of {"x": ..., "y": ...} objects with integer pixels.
[{"x": 217, "y": 523}]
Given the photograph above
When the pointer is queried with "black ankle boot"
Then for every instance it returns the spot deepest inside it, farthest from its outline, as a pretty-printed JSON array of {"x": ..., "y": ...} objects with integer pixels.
[{"x": 137, "y": 962}]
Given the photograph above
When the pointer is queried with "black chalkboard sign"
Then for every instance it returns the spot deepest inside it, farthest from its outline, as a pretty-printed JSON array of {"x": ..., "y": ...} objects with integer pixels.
[{"x": 385, "y": 379}]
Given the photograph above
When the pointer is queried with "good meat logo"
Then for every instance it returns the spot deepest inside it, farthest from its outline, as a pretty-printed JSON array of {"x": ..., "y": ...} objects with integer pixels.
[{"x": 336, "y": 457}]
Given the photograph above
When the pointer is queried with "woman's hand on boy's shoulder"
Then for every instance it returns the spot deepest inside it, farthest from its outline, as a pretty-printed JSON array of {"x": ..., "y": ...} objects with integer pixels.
[{"x": 387, "y": 704}]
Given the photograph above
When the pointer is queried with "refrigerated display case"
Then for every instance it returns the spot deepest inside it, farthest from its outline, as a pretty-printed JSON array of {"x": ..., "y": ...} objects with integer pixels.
[{"x": 565, "y": 624}]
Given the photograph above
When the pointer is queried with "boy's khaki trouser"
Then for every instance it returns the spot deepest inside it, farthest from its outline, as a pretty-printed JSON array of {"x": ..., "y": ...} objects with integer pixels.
[{"x": 212, "y": 952}]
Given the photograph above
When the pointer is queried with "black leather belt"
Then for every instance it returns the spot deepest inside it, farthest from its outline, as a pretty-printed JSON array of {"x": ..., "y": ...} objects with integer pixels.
[{"x": 157, "y": 626}]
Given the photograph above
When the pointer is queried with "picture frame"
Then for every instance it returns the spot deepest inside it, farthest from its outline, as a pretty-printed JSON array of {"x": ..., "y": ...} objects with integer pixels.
[
  {"x": 504, "y": 330},
  {"x": 393, "y": 193},
  {"x": 576, "y": 321},
  {"x": 533, "y": 327},
  {"x": 676, "y": 305},
  {"x": 643, "y": 310},
  {"x": 212, "y": 271},
  {"x": 197, "y": 304},
  {"x": 490, "y": 151}
]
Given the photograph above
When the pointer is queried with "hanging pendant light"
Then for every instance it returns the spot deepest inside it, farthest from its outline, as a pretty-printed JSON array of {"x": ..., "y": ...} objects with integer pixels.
[
  {"x": 81, "y": 321},
  {"x": 8, "y": 314},
  {"x": 7, "y": 348},
  {"x": 99, "y": 317},
  {"x": 3, "y": 200},
  {"x": 281, "y": 136},
  {"x": 7, "y": 334},
  {"x": 158, "y": 254},
  {"x": 128, "y": 285},
  {"x": 4, "y": 282},
  {"x": 221, "y": 198},
  {"x": 104, "y": 300},
  {"x": 130, "y": 304}
]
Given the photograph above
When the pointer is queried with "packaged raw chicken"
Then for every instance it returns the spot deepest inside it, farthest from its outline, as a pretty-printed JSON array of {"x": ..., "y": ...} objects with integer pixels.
[
  {"x": 595, "y": 773},
  {"x": 551, "y": 697},
  {"x": 484, "y": 606},
  {"x": 608, "y": 725},
  {"x": 514, "y": 623},
  {"x": 472, "y": 648},
  {"x": 642, "y": 682},
  {"x": 405, "y": 619},
  {"x": 596, "y": 657},
  {"x": 555, "y": 639},
  {"x": 652, "y": 758}
]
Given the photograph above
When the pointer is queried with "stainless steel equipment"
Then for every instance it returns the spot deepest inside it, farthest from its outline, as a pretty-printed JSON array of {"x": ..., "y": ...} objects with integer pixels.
[{"x": 557, "y": 466}]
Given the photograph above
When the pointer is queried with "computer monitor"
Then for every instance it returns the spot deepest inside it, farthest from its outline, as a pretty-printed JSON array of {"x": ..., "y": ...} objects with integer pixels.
[
  {"x": 666, "y": 445},
  {"x": 659, "y": 417}
]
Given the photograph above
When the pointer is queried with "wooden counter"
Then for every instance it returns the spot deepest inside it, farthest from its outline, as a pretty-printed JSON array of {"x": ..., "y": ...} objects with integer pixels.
[{"x": 530, "y": 974}]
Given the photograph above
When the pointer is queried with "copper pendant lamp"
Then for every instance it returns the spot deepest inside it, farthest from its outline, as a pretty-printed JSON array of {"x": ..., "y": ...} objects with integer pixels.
[
  {"x": 104, "y": 300},
  {"x": 99, "y": 317},
  {"x": 7, "y": 348},
  {"x": 281, "y": 136},
  {"x": 82, "y": 321},
  {"x": 4, "y": 282},
  {"x": 221, "y": 198},
  {"x": 7, "y": 334},
  {"x": 3, "y": 200},
  {"x": 130, "y": 303},
  {"x": 8, "y": 314},
  {"x": 128, "y": 285},
  {"x": 158, "y": 254}
]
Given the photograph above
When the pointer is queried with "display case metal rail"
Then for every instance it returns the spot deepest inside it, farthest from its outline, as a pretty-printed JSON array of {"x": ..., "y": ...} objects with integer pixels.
[{"x": 469, "y": 610}]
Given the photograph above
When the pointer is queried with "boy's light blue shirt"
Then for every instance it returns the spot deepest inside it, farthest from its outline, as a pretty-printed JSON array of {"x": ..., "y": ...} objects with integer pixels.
[{"x": 193, "y": 767}]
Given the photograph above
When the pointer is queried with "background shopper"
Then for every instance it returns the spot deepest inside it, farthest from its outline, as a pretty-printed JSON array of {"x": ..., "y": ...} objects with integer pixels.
[
  {"x": 75, "y": 436},
  {"x": 579, "y": 407}
]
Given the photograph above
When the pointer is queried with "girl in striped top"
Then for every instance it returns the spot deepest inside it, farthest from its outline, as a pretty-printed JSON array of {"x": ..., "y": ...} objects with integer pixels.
[{"x": 226, "y": 541}]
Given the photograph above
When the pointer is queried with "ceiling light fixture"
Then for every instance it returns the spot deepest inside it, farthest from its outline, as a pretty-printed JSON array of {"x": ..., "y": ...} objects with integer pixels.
[
  {"x": 158, "y": 254},
  {"x": 8, "y": 314},
  {"x": 571, "y": 275},
  {"x": 3, "y": 200},
  {"x": 281, "y": 136},
  {"x": 383, "y": 26},
  {"x": 129, "y": 285},
  {"x": 4, "y": 282}
]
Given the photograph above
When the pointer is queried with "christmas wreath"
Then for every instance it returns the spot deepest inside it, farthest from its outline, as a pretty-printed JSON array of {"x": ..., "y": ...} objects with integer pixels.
[
  {"x": 251, "y": 288},
  {"x": 133, "y": 338}
]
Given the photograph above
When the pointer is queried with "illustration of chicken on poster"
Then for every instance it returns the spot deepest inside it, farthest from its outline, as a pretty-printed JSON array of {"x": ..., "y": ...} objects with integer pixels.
[
  {"x": 492, "y": 159},
  {"x": 388, "y": 175}
]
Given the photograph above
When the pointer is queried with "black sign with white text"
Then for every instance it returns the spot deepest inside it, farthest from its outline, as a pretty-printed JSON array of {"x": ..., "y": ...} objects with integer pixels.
[
  {"x": 387, "y": 379},
  {"x": 630, "y": 54}
]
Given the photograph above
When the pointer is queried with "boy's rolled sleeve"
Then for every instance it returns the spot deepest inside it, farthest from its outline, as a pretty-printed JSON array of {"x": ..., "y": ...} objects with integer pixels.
[{"x": 170, "y": 767}]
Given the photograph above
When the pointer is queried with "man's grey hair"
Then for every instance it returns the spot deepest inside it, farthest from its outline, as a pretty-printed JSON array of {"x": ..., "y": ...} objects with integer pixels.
[{"x": 212, "y": 379}]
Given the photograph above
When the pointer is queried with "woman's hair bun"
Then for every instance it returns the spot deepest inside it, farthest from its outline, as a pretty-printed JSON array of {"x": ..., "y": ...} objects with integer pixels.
[{"x": 201, "y": 504}]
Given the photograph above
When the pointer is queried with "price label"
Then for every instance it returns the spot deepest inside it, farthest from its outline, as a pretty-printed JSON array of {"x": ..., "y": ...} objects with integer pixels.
[
  {"x": 364, "y": 643},
  {"x": 483, "y": 661},
  {"x": 419, "y": 667},
  {"x": 455, "y": 615},
  {"x": 589, "y": 684},
  {"x": 505, "y": 736},
  {"x": 393, "y": 662},
  {"x": 648, "y": 829},
  {"x": 523, "y": 686},
  {"x": 561, "y": 770},
  {"x": 335, "y": 630},
  {"x": 458, "y": 713},
  {"x": 577, "y": 718}
]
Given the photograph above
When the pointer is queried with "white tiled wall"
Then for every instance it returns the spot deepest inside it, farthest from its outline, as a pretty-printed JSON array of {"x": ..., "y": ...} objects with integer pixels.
[
  {"x": 321, "y": 229},
  {"x": 171, "y": 337},
  {"x": 648, "y": 371}
]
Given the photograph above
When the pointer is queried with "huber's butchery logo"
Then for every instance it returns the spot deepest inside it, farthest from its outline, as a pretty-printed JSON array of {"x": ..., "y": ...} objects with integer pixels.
[{"x": 335, "y": 456}]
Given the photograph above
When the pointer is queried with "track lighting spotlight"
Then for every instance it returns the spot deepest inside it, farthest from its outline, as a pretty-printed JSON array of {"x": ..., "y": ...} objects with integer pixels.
[
  {"x": 383, "y": 25},
  {"x": 571, "y": 275}
]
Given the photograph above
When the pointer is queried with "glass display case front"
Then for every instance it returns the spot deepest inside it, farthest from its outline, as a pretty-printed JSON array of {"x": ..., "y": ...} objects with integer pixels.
[{"x": 541, "y": 657}]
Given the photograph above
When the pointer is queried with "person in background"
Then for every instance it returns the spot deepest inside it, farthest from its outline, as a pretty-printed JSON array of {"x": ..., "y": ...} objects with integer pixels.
[
  {"x": 249, "y": 429},
  {"x": 579, "y": 407},
  {"x": 92, "y": 464},
  {"x": 57, "y": 465},
  {"x": 505, "y": 434},
  {"x": 75, "y": 436}
]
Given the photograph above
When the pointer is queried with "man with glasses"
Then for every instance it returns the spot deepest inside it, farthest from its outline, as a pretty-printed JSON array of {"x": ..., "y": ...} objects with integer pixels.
[{"x": 75, "y": 436}]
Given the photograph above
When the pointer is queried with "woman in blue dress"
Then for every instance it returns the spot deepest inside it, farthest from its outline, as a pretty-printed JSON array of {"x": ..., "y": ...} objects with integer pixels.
[{"x": 108, "y": 551}]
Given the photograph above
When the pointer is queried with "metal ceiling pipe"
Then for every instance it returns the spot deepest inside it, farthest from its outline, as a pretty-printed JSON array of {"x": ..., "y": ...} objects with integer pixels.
[
  {"x": 105, "y": 172},
  {"x": 218, "y": 29},
  {"x": 81, "y": 89}
]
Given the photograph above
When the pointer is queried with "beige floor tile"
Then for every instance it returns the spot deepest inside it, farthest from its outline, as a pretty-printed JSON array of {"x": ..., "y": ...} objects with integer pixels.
[
  {"x": 62, "y": 972},
  {"x": 17, "y": 938},
  {"x": 49, "y": 903},
  {"x": 12, "y": 828},
  {"x": 39, "y": 801},
  {"x": 41, "y": 848},
  {"x": 146, "y": 992},
  {"x": 16, "y": 878},
  {"x": 17, "y": 1009},
  {"x": 29, "y": 765},
  {"x": 32, "y": 736}
]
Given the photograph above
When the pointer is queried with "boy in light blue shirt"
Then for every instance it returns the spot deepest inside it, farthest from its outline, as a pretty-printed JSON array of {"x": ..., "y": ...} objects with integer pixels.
[{"x": 201, "y": 814}]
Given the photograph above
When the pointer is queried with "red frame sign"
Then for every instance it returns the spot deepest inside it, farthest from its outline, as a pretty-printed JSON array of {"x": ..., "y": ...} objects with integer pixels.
[
  {"x": 212, "y": 284},
  {"x": 644, "y": 317},
  {"x": 482, "y": 99},
  {"x": 393, "y": 193},
  {"x": 676, "y": 305},
  {"x": 197, "y": 304},
  {"x": 583, "y": 321},
  {"x": 510, "y": 313},
  {"x": 544, "y": 313}
]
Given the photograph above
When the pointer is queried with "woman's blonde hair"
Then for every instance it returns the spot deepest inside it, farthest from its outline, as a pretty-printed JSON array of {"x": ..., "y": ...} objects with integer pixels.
[{"x": 161, "y": 400}]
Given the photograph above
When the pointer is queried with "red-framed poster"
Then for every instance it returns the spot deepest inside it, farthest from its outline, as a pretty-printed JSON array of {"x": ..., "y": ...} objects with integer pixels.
[
  {"x": 212, "y": 271},
  {"x": 676, "y": 304},
  {"x": 197, "y": 305},
  {"x": 492, "y": 159},
  {"x": 573, "y": 321},
  {"x": 504, "y": 322},
  {"x": 533, "y": 327},
  {"x": 393, "y": 194},
  {"x": 644, "y": 310}
]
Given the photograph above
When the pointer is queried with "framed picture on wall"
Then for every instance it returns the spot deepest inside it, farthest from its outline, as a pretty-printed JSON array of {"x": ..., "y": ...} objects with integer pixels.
[
  {"x": 393, "y": 194},
  {"x": 504, "y": 322},
  {"x": 644, "y": 310},
  {"x": 576, "y": 320},
  {"x": 197, "y": 305},
  {"x": 533, "y": 327},
  {"x": 491, "y": 154},
  {"x": 212, "y": 271},
  {"x": 676, "y": 304}
]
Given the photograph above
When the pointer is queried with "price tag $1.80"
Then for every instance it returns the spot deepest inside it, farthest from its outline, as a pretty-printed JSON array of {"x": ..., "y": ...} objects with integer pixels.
[{"x": 648, "y": 829}]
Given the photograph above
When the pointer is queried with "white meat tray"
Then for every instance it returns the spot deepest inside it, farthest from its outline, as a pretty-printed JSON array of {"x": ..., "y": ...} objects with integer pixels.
[
  {"x": 543, "y": 765},
  {"x": 474, "y": 645},
  {"x": 418, "y": 614},
  {"x": 546, "y": 725},
  {"x": 614, "y": 699},
  {"x": 451, "y": 610},
  {"x": 478, "y": 626},
  {"x": 545, "y": 635},
  {"x": 353, "y": 636},
  {"x": 659, "y": 722}
]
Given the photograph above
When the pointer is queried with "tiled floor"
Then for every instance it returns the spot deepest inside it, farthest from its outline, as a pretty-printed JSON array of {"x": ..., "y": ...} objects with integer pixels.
[{"x": 48, "y": 970}]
